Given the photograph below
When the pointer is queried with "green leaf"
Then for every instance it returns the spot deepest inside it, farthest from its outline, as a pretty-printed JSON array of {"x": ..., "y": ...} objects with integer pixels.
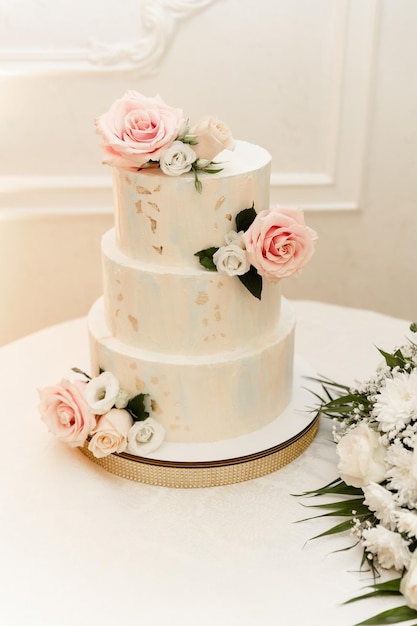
[
  {"x": 392, "y": 616},
  {"x": 136, "y": 407},
  {"x": 253, "y": 282},
  {"x": 393, "y": 360},
  {"x": 389, "y": 587},
  {"x": 78, "y": 371},
  {"x": 206, "y": 258},
  {"x": 245, "y": 218},
  {"x": 334, "y": 530}
]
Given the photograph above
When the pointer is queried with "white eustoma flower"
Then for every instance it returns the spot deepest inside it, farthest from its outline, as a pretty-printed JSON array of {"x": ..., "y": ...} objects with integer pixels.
[
  {"x": 232, "y": 237},
  {"x": 389, "y": 547},
  {"x": 382, "y": 502},
  {"x": 177, "y": 159},
  {"x": 101, "y": 393},
  {"x": 231, "y": 260},
  {"x": 396, "y": 403},
  {"x": 145, "y": 436}
]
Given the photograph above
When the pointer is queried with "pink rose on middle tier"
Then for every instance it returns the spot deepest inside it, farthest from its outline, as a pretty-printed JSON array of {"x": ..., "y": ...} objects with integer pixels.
[
  {"x": 137, "y": 129},
  {"x": 278, "y": 242}
]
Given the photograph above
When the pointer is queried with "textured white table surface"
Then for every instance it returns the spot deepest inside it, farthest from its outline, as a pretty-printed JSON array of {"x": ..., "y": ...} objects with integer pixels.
[{"x": 81, "y": 547}]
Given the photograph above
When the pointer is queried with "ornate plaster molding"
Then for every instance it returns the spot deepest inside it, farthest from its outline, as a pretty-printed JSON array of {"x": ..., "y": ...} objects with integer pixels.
[{"x": 159, "y": 21}]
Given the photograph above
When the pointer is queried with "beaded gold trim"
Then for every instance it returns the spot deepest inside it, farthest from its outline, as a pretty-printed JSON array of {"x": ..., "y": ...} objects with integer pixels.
[{"x": 208, "y": 473}]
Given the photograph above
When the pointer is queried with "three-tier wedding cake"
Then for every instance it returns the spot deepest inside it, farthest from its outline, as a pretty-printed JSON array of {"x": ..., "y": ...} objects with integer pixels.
[{"x": 191, "y": 341}]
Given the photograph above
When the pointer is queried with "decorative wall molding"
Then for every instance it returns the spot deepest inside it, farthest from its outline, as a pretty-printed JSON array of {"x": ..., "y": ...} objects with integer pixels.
[{"x": 159, "y": 21}]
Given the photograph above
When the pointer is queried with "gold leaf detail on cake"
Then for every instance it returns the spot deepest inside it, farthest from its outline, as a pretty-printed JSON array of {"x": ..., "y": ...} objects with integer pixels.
[
  {"x": 220, "y": 284},
  {"x": 205, "y": 321},
  {"x": 219, "y": 203},
  {"x": 217, "y": 316},
  {"x": 228, "y": 216},
  {"x": 167, "y": 393},
  {"x": 154, "y": 380},
  {"x": 138, "y": 206},
  {"x": 133, "y": 366},
  {"x": 157, "y": 189},
  {"x": 139, "y": 384},
  {"x": 158, "y": 249},
  {"x": 154, "y": 224},
  {"x": 134, "y": 322},
  {"x": 116, "y": 313},
  {"x": 119, "y": 297},
  {"x": 155, "y": 407},
  {"x": 142, "y": 190},
  {"x": 154, "y": 206},
  {"x": 202, "y": 297},
  {"x": 127, "y": 179}
]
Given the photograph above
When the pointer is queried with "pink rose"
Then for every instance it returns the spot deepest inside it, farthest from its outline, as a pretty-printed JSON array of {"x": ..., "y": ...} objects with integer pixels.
[
  {"x": 65, "y": 411},
  {"x": 213, "y": 136},
  {"x": 137, "y": 129},
  {"x": 278, "y": 242}
]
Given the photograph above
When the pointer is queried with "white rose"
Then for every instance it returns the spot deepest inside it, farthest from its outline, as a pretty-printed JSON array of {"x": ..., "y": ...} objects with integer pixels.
[
  {"x": 101, "y": 393},
  {"x": 177, "y": 159},
  {"x": 362, "y": 457},
  {"x": 231, "y": 260},
  {"x": 110, "y": 434},
  {"x": 145, "y": 437},
  {"x": 408, "y": 585},
  {"x": 213, "y": 136}
]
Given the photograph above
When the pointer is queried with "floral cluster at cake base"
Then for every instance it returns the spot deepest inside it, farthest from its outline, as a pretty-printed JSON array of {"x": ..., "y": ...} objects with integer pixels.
[
  {"x": 376, "y": 437},
  {"x": 272, "y": 244},
  {"x": 140, "y": 132},
  {"x": 97, "y": 410}
]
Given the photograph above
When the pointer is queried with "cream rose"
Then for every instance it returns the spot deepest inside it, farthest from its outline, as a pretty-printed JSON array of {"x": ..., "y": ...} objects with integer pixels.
[
  {"x": 278, "y": 242},
  {"x": 177, "y": 159},
  {"x": 145, "y": 437},
  {"x": 212, "y": 136},
  {"x": 136, "y": 129},
  {"x": 231, "y": 260},
  {"x": 66, "y": 413},
  {"x": 408, "y": 585},
  {"x": 101, "y": 393},
  {"x": 362, "y": 457},
  {"x": 110, "y": 434}
]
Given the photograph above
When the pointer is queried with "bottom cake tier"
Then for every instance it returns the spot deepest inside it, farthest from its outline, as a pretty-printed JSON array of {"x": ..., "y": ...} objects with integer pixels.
[{"x": 204, "y": 398}]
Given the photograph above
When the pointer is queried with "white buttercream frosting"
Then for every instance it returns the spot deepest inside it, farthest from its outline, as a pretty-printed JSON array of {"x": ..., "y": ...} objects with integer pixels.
[{"x": 216, "y": 361}]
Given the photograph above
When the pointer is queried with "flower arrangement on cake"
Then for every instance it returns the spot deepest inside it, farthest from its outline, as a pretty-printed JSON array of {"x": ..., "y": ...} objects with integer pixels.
[
  {"x": 140, "y": 132},
  {"x": 376, "y": 436},
  {"x": 97, "y": 410},
  {"x": 273, "y": 244}
]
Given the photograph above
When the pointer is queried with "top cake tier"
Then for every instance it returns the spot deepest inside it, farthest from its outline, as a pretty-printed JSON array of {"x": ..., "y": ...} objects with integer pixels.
[{"x": 163, "y": 220}]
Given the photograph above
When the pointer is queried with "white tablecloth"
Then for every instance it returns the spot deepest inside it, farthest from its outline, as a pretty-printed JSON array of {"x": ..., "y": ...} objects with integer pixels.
[{"x": 79, "y": 546}]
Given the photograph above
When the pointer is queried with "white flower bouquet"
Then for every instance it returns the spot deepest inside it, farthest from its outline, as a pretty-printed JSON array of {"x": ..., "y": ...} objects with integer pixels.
[{"x": 376, "y": 436}]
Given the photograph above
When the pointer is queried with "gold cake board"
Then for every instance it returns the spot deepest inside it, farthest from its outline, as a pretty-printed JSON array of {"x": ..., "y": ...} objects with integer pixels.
[
  {"x": 207, "y": 473},
  {"x": 274, "y": 446}
]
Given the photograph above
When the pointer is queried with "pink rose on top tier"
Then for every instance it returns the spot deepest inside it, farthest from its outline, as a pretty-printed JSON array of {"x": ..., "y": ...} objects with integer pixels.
[
  {"x": 65, "y": 411},
  {"x": 136, "y": 129},
  {"x": 278, "y": 242},
  {"x": 212, "y": 136}
]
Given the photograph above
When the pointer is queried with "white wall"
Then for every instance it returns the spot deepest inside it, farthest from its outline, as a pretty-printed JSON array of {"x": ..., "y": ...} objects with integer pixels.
[{"x": 328, "y": 87}]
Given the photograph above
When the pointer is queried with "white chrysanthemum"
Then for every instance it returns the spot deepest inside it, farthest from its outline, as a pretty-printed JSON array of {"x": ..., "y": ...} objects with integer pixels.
[
  {"x": 387, "y": 546},
  {"x": 402, "y": 474},
  {"x": 396, "y": 404},
  {"x": 382, "y": 503},
  {"x": 407, "y": 522}
]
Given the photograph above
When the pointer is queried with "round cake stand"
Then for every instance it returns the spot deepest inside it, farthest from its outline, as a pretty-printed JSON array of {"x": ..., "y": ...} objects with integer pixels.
[{"x": 233, "y": 460}]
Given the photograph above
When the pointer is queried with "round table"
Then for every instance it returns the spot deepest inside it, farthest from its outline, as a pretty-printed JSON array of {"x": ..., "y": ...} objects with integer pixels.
[{"x": 80, "y": 546}]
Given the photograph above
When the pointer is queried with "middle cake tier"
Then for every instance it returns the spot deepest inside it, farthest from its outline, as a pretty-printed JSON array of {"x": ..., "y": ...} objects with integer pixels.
[{"x": 183, "y": 310}]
